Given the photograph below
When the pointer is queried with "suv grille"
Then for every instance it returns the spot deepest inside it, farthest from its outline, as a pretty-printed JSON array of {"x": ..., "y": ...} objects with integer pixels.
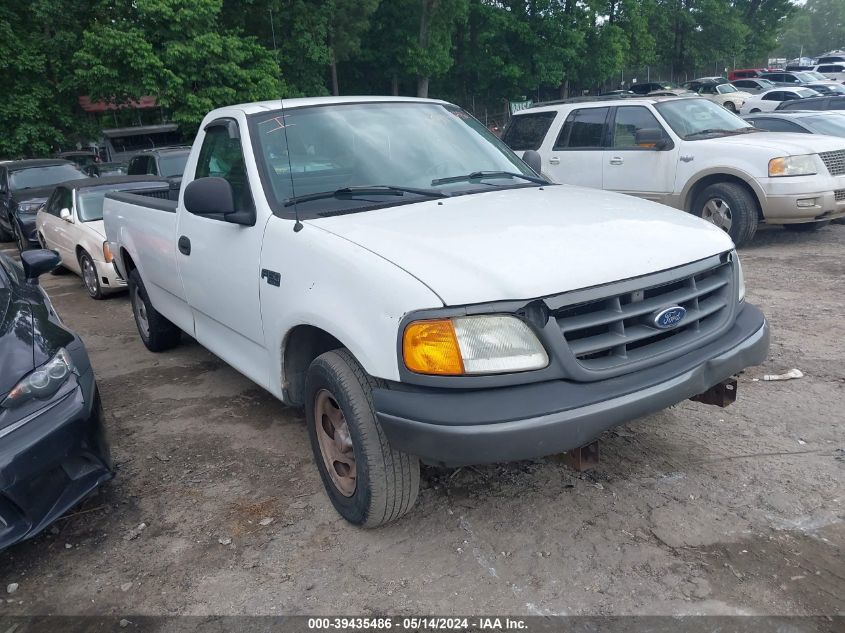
[
  {"x": 834, "y": 161},
  {"x": 617, "y": 330},
  {"x": 839, "y": 195}
]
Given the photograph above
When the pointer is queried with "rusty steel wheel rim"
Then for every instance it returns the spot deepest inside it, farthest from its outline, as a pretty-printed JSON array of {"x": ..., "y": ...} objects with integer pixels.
[{"x": 335, "y": 442}]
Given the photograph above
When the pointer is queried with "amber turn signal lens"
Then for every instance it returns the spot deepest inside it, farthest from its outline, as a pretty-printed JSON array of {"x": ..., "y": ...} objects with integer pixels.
[
  {"x": 431, "y": 347},
  {"x": 107, "y": 253}
]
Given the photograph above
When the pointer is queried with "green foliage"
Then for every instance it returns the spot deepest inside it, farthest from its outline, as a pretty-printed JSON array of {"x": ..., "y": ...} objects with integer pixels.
[
  {"x": 816, "y": 27},
  {"x": 194, "y": 55}
]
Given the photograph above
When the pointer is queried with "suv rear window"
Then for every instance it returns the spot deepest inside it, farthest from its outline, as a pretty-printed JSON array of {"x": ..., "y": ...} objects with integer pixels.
[{"x": 527, "y": 131}]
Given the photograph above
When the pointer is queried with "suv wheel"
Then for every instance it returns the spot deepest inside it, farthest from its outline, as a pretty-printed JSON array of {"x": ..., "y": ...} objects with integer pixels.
[
  {"x": 157, "y": 333},
  {"x": 731, "y": 207},
  {"x": 368, "y": 482},
  {"x": 730, "y": 106}
]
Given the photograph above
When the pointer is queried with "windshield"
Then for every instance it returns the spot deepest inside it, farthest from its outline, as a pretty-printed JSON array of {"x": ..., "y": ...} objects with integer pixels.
[
  {"x": 43, "y": 176},
  {"x": 725, "y": 89},
  {"x": 813, "y": 73},
  {"x": 696, "y": 118},
  {"x": 805, "y": 77},
  {"x": 172, "y": 165},
  {"x": 766, "y": 83},
  {"x": 804, "y": 93},
  {"x": 314, "y": 150},
  {"x": 89, "y": 202},
  {"x": 834, "y": 124}
]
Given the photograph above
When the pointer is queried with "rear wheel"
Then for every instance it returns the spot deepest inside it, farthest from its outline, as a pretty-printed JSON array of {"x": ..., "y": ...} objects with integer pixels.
[
  {"x": 157, "y": 333},
  {"x": 731, "y": 207},
  {"x": 89, "y": 276},
  {"x": 730, "y": 106},
  {"x": 368, "y": 482}
]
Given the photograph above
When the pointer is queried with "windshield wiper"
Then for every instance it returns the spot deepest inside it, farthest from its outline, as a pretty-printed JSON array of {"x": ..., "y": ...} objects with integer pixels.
[
  {"x": 366, "y": 190},
  {"x": 480, "y": 175},
  {"x": 741, "y": 130}
]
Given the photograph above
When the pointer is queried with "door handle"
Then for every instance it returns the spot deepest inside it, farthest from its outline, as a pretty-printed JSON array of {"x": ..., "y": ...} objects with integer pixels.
[
  {"x": 617, "y": 160},
  {"x": 554, "y": 160},
  {"x": 184, "y": 245}
]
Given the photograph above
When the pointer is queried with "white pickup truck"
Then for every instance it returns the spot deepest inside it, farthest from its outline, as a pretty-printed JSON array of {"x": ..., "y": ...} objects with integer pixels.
[
  {"x": 391, "y": 266},
  {"x": 690, "y": 154}
]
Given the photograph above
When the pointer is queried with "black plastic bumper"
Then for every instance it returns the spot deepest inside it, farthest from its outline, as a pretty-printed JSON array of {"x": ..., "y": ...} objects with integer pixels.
[
  {"x": 458, "y": 427},
  {"x": 52, "y": 461}
]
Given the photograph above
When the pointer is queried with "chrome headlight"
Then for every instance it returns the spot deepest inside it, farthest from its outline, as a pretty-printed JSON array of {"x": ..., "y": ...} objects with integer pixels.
[
  {"x": 793, "y": 166},
  {"x": 42, "y": 383},
  {"x": 472, "y": 345}
]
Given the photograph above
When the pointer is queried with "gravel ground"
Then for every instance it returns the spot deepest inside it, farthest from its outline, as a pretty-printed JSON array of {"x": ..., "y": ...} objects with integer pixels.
[{"x": 693, "y": 510}]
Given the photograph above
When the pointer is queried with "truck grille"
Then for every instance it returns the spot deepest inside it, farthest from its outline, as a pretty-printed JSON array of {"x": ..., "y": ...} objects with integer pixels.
[
  {"x": 618, "y": 330},
  {"x": 839, "y": 195},
  {"x": 834, "y": 161}
]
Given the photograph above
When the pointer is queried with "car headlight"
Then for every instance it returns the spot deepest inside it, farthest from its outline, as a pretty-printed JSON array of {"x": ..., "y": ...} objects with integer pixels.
[
  {"x": 740, "y": 291},
  {"x": 43, "y": 382},
  {"x": 471, "y": 345},
  {"x": 29, "y": 206},
  {"x": 792, "y": 166}
]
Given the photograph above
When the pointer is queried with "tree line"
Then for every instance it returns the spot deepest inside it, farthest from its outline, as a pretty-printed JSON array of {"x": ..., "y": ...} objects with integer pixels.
[{"x": 194, "y": 55}]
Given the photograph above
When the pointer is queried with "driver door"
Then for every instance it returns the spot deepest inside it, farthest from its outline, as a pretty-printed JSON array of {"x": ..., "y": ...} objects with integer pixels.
[{"x": 220, "y": 262}]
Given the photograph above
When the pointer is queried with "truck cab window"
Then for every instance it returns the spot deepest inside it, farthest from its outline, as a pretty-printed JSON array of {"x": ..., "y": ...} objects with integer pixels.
[{"x": 223, "y": 157}]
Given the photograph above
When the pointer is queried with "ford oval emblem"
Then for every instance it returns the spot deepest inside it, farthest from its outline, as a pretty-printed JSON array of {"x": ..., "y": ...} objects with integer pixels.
[{"x": 669, "y": 317}]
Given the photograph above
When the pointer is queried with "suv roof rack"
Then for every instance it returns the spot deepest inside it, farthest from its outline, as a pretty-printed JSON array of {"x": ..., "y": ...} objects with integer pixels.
[{"x": 588, "y": 99}]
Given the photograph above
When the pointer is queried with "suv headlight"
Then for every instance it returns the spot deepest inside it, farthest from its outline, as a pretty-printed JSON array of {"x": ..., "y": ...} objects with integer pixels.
[
  {"x": 43, "y": 382},
  {"x": 792, "y": 166},
  {"x": 471, "y": 345}
]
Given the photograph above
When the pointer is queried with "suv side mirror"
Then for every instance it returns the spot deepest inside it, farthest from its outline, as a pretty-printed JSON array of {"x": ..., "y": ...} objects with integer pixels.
[
  {"x": 653, "y": 138},
  {"x": 64, "y": 214},
  {"x": 213, "y": 198},
  {"x": 37, "y": 262},
  {"x": 533, "y": 160}
]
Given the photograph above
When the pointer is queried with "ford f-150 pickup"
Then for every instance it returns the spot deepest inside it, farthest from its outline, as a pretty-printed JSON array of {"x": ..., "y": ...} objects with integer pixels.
[{"x": 424, "y": 294}]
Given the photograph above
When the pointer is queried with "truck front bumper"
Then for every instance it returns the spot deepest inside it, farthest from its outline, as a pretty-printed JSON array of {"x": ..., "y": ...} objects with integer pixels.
[{"x": 460, "y": 427}]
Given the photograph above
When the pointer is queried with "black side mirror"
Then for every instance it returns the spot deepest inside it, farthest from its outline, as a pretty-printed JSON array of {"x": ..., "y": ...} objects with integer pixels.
[
  {"x": 533, "y": 159},
  {"x": 37, "y": 262},
  {"x": 652, "y": 137},
  {"x": 212, "y": 197}
]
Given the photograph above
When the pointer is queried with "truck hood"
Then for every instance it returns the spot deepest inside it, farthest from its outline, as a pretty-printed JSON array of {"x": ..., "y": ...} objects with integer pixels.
[
  {"x": 525, "y": 243},
  {"x": 782, "y": 143}
]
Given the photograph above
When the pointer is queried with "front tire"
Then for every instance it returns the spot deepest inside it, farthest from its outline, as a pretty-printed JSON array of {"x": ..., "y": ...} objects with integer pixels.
[
  {"x": 731, "y": 207},
  {"x": 157, "y": 333},
  {"x": 730, "y": 106},
  {"x": 89, "y": 276},
  {"x": 368, "y": 482}
]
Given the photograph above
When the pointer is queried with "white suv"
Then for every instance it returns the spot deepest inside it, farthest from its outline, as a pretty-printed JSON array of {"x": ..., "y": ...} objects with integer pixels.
[{"x": 691, "y": 154}]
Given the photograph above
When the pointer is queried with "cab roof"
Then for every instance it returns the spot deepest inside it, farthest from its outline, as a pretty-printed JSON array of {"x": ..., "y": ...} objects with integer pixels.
[{"x": 277, "y": 104}]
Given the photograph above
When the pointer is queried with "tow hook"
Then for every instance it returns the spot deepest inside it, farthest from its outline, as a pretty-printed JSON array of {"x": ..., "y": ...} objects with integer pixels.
[{"x": 721, "y": 394}]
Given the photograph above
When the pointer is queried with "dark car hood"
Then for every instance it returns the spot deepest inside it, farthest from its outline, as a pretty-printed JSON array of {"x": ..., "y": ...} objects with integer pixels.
[
  {"x": 16, "y": 336},
  {"x": 22, "y": 195},
  {"x": 29, "y": 335}
]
